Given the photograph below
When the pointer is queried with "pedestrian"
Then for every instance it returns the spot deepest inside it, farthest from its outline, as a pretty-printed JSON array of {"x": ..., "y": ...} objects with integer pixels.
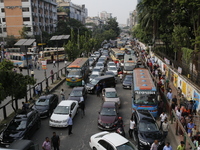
[
  {"x": 194, "y": 109},
  {"x": 98, "y": 90},
  {"x": 156, "y": 73},
  {"x": 190, "y": 125},
  {"x": 25, "y": 107},
  {"x": 174, "y": 99},
  {"x": 190, "y": 106},
  {"x": 131, "y": 129},
  {"x": 55, "y": 141},
  {"x": 194, "y": 131},
  {"x": 38, "y": 65},
  {"x": 62, "y": 94},
  {"x": 54, "y": 63},
  {"x": 39, "y": 89},
  {"x": 32, "y": 73},
  {"x": 165, "y": 128},
  {"x": 20, "y": 69},
  {"x": 70, "y": 123},
  {"x": 167, "y": 83},
  {"x": 46, "y": 144},
  {"x": 169, "y": 95},
  {"x": 167, "y": 146},
  {"x": 179, "y": 92},
  {"x": 52, "y": 76},
  {"x": 160, "y": 106},
  {"x": 104, "y": 85},
  {"x": 154, "y": 145},
  {"x": 82, "y": 106},
  {"x": 163, "y": 116},
  {"x": 181, "y": 146}
]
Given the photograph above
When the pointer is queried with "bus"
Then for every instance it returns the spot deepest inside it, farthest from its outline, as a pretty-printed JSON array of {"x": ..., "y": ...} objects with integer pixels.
[
  {"x": 77, "y": 72},
  {"x": 145, "y": 95},
  {"x": 19, "y": 59},
  {"x": 117, "y": 55},
  {"x": 50, "y": 54}
]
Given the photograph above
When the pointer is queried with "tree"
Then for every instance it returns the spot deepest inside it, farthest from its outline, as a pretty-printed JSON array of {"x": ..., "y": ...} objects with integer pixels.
[
  {"x": 24, "y": 32},
  {"x": 10, "y": 40}
]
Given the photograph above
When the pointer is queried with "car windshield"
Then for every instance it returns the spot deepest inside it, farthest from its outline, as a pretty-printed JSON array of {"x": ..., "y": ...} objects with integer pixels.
[
  {"x": 128, "y": 78},
  {"x": 145, "y": 99},
  {"x": 126, "y": 146},
  {"x": 74, "y": 73},
  {"x": 93, "y": 76},
  {"x": 108, "y": 111},
  {"x": 76, "y": 93},
  {"x": 96, "y": 69},
  {"x": 129, "y": 64},
  {"x": 112, "y": 68},
  {"x": 99, "y": 64},
  {"x": 109, "y": 73},
  {"x": 94, "y": 81},
  {"x": 148, "y": 126},
  {"x": 17, "y": 125},
  {"x": 42, "y": 102},
  {"x": 111, "y": 94},
  {"x": 64, "y": 110},
  {"x": 101, "y": 60}
]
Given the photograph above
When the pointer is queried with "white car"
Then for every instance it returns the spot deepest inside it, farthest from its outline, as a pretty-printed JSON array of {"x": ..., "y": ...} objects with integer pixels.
[
  {"x": 94, "y": 75},
  {"x": 110, "y": 94},
  {"x": 113, "y": 69},
  {"x": 61, "y": 113},
  {"x": 111, "y": 64},
  {"x": 100, "y": 65},
  {"x": 105, "y": 140}
]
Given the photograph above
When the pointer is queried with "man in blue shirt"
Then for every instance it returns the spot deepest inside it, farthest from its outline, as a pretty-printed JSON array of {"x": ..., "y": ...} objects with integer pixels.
[
  {"x": 70, "y": 123},
  {"x": 190, "y": 125}
]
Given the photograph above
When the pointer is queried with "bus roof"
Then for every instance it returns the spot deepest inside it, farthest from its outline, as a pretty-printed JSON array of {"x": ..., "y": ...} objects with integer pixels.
[
  {"x": 78, "y": 63},
  {"x": 142, "y": 80}
]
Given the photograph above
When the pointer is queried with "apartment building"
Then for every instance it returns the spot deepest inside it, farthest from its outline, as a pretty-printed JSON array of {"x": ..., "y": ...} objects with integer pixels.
[{"x": 36, "y": 15}]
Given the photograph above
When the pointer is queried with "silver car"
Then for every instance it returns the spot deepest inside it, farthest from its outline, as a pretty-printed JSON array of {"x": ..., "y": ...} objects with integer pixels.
[
  {"x": 113, "y": 69},
  {"x": 110, "y": 94}
]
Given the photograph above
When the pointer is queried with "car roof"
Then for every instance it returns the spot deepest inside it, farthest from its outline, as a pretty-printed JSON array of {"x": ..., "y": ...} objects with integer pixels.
[
  {"x": 115, "y": 139},
  {"x": 109, "y": 104},
  {"x": 110, "y": 72},
  {"x": 78, "y": 88},
  {"x": 128, "y": 75},
  {"x": 103, "y": 77},
  {"x": 66, "y": 102},
  {"x": 46, "y": 96},
  {"x": 110, "y": 89}
]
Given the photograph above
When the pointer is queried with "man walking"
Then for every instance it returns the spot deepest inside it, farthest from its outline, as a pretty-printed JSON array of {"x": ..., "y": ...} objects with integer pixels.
[
  {"x": 70, "y": 123},
  {"x": 163, "y": 116},
  {"x": 82, "y": 106},
  {"x": 55, "y": 141},
  {"x": 131, "y": 129},
  {"x": 54, "y": 63},
  {"x": 165, "y": 128},
  {"x": 98, "y": 90},
  {"x": 62, "y": 94},
  {"x": 154, "y": 145}
]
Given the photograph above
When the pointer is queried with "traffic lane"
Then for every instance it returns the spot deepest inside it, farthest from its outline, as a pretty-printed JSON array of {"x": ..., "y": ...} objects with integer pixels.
[{"x": 84, "y": 128}]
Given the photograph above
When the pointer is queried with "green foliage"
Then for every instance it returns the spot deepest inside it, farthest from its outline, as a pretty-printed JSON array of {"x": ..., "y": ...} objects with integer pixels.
[
  {"x": 24, "y": 32},
  {"x": 187, "y": 53},
  {"x": 6, "y": 65},
  {"x": 71, "y": 49},
  {"x": 10, "y": 40}
]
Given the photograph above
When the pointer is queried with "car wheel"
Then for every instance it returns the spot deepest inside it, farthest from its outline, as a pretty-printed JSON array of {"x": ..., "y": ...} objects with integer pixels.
[{"x": 94, "y": 148}]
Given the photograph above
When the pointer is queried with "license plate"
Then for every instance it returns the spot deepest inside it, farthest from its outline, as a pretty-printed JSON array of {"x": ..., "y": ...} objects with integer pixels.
[
  {"x": 128, "y": 86},
  {"x": 107, "y": 127}
]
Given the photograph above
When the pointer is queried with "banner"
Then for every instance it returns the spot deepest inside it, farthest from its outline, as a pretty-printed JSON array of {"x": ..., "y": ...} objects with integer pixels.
[
  {"x": 184, "y": 87},
  {"x": 175, "y": 80},
  {"x": 189, "y": 94},
  {"x": 44, "y": 64}
]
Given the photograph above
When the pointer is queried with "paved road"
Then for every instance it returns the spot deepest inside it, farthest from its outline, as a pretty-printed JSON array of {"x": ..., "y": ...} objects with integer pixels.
[{"x": 39, "y": 76}]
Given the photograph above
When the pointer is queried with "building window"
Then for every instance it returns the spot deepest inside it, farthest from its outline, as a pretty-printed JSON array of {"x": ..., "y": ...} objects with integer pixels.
[
  {"x": 28, "y": 29},
  {"x": 26, "y": 19},
  {"x": 2, "y": 10},
  {"x": 3, "y": 19},
  {"x": 1, "y": 1},
  {"x": 4, "y": 30},
  {"x": 24, "y": 0},
  {"x": 25, "y": 9}
]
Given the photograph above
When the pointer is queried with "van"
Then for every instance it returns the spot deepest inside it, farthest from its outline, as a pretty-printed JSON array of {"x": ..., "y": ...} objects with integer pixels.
[{"x": 108, "y": 79}]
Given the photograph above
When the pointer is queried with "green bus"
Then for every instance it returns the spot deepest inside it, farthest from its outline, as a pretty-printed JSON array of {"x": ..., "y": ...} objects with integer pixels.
[{"x": 77, "y": 72}]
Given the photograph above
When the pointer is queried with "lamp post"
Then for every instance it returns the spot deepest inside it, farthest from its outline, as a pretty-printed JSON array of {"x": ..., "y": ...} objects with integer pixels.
[{"x": 41, "y": 37}]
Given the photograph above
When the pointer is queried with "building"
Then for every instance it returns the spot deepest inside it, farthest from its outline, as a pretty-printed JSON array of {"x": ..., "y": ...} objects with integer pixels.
[
  {"x": 36, "y": 15},
  {"x": 105, "y": 16},
  {"x": 78, "y": 12},
  {"x": 95, "y": 20}
]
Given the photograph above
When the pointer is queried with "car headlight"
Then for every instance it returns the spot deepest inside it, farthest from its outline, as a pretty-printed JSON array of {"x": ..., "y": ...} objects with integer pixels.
[
  {"x": 91, "y": 88},
  {"x": 45, "y": 111},
  {"x": 144, "y": 143},
  {"x": 100, "y": 122},
  {"x": 1, "y": 136},
  {"x": 64, "y": 121}
]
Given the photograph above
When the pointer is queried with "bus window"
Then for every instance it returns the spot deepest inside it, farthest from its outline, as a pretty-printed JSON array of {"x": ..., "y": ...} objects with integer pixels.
[
  {"x": 74, "y": 73},
  {"x": 145, "y": 99}
]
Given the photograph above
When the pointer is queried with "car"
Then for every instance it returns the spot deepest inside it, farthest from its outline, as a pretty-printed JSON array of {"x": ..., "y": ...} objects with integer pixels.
[
  {"x": 96, "y": 53},
  {"x": 46, "y": 104},
  {"x": 61, "y": 113},
  {"x": 128, "y": 67},
  {"x": 112, "y": 74},
  {"x": 91, "y": 62},
  {"x": 97, "y": 69},
  {"x": 102, "y": 59},
  {"x": 94, "y": 75},
  {"x": 108, "y": 116},
  {"x": 111, "y": 64},
  {"x": 100, "y": 65},
  {"x": 113, "y": 69},
  {"x": 77, "y": 93},
  {"x": 109, "y": 81},
  {"x": 147, "y": 130},
  {"x": 22, "y": 126},
  {"x": 110, "y": 141},
  {"x": 127, "y": 82},
  {"x": 110, "y": 94}
]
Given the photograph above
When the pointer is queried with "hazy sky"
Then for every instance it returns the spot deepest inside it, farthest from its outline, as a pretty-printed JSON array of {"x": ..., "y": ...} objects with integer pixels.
[{"x": 118, "y": 8}]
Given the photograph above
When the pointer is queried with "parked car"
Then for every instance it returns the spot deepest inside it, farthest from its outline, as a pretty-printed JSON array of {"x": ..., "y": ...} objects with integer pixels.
[
  {"x": 77, "y": 93},
  {"x": 46, "y": 104},
  {"x": 147, "y": 130},
  {"x": 110, "y": 141},
  {"x": 127, "y": 82},
  {"x": 112, "y": 74},
  {"x": 22, "y": 126},
  {"x": 109, "y": 80},
  {"x": 108, "y": 116},
  {"x": 110, "y": 94},
  {"x": 60, "y": 115},
  {"x": 94, "y": 75}
]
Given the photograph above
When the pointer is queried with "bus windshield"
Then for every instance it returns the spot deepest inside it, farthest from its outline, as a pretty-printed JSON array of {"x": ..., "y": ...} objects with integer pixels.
[
  {"x": 74, "y": 73},
  {"x": 145, "y": 99}
]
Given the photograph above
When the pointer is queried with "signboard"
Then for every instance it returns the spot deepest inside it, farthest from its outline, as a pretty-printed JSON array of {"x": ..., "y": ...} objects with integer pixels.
[
  {"x": 41, "y": 43},
  {"x": 44, "y": 64},
  {"x": 145, "y": 92},
  {"x": 179, "y": 70}
]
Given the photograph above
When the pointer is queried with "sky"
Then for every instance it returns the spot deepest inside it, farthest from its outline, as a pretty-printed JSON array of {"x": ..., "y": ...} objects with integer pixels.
[{"x": 118, "y": 8}]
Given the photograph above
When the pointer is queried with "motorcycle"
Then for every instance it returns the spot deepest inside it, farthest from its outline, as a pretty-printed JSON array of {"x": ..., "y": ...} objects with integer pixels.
[{"x": 120, "y": 130}]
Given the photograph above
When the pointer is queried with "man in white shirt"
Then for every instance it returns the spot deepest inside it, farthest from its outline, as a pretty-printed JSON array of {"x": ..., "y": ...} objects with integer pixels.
[
  {"x": 131, "y": 129},
  {"x": 165, "y": 128},
  {"x": 163, "y": 116}
]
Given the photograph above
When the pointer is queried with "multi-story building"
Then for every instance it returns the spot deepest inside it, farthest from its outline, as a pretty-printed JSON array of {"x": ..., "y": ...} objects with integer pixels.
[
  {"x": 36, "y": 15},
  {"x": 105, "y": 16},
  {"x": 95, "y": 20},
  {"x": 78, "y": 12}
]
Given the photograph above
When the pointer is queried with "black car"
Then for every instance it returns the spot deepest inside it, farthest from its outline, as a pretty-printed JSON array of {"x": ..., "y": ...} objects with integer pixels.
[
  {"x": 22, "y": 126},
  {"x": 127, "y": 82},
  {"x": 147, "y": 130},
  {"x": 46, "y": 104},
  {"x": 112, "y": 74},
  {"x": 108, "y": 79},
  {"x": 77, "y": 93}
]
